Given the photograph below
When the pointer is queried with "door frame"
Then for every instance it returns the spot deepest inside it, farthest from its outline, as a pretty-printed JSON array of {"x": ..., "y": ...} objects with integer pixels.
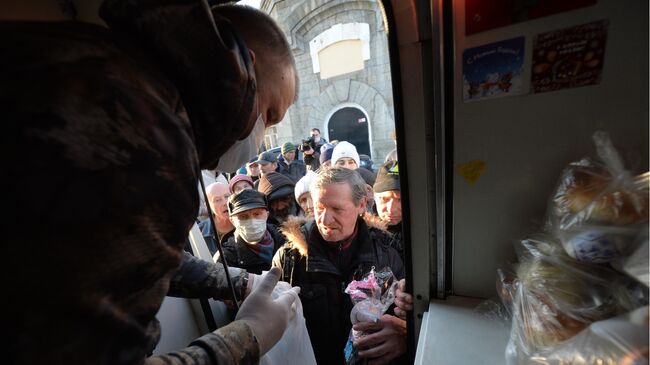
[{"x": 347, "y": 105}]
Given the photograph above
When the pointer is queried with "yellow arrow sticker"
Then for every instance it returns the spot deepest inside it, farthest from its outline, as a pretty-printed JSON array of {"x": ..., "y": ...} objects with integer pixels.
[{"x": 471, "y": 171}]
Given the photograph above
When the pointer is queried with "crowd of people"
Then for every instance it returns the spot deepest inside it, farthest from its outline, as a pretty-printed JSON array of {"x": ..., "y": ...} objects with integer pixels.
[
  {"x": 323, "y": 228},
  {"x": 124, "y": 127}
]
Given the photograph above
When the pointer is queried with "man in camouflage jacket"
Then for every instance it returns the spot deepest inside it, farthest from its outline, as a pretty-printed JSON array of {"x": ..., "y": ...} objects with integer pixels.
[{"x": 106, "y": 132}]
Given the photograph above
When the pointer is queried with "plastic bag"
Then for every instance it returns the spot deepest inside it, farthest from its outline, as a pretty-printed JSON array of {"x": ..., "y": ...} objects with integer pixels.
[
  {"x": 554, "y": 297},
  {"x": 372, "y": 296},
  {"x": 295, "y": 346},
  {"x": 598, "y": 207},
  {"x": 637, "y": 264},
  {"x": 617, "y": 341}
]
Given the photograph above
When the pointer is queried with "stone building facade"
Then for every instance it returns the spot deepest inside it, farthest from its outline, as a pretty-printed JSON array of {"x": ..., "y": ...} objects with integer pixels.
[{"x": 341, "y": 53}]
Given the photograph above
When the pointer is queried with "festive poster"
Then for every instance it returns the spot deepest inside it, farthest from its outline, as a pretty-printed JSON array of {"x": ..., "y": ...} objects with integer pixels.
[
  {"x": 570, "y": 57},
  {"x": 493, "y": 70}
]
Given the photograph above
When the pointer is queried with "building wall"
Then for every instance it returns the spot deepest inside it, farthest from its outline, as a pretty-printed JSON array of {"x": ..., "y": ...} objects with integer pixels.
[{"x": 370, "y": 88}]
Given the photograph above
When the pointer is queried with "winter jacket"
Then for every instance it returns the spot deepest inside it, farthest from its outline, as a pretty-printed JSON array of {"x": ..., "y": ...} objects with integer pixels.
[
  {"x": 294, "y": 171},
  {"x": 397, "y": 240},
  {"x": 305, "y": 262},
  {"x": 238, "y": 255},
  {"x": 106, "y": 119},
  {"x": 210, "y": 236}
]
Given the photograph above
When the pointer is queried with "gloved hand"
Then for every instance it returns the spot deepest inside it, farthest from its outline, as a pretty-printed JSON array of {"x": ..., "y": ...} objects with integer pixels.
[{"x": 266, "y": 317}]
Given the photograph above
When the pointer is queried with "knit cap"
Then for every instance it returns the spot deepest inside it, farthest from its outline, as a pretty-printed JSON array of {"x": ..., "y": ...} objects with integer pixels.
[
  {"x": 326, "y": 152},
  {"x": 287, "y": 147},
  {"x": 368, "y": 176},
  {"x": 238, "y": 178},
  {"x": 302, "y": 186},
  {"x": 275, "y": 185},
  {"x": 387, "y": 178},
  {"x": 345, "y": 149}
]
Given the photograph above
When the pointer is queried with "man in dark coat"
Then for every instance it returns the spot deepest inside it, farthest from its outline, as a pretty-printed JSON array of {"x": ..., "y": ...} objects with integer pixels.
[
  {"x": 388, "y": 200},
  {"x": 324, "y": 255},
  {"x": 121, "y": 120},
  {"x": 254, "y": 241}
]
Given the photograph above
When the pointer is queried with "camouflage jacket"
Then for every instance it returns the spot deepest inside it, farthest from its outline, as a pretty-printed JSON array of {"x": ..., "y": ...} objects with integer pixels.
[{"x": 101, "y": 154}]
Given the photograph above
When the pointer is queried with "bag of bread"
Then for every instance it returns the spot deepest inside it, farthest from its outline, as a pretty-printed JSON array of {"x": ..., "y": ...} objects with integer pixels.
[
  {"x": 598, "y": 207},
  {"x": 622, "y": 340},
  {"x": 556, "y": 297}
]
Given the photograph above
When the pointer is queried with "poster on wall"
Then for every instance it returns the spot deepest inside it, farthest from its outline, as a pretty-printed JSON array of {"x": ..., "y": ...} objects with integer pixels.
[
  {"x": 481, "y": 15},
  {"x": 493, "y": 70},
  {"x": 570, "y": 57}
]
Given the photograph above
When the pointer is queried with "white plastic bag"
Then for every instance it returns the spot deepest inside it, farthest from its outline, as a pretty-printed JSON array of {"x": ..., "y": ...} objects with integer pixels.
[{"x": 295, "y": 346}]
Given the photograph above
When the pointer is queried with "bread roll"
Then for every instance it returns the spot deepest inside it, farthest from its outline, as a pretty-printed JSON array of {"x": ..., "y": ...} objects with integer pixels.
[{"x": 591, "y": 194}]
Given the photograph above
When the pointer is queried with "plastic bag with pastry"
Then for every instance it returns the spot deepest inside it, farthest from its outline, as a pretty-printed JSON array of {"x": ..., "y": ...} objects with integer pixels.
[
  {"x": 598, "y": 207},
  {"x": 556, "y": 297},
  {"x": 622, "y": 340}
]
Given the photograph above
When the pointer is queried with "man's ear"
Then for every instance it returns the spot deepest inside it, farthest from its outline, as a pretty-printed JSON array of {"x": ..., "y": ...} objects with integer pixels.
[
  {"x": 252, "y": 54},
  {"x": 362, "y": 204}
]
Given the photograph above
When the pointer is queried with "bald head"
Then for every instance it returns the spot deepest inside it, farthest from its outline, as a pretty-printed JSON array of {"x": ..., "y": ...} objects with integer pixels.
[
  {"x": 218, "y": 194},
  {"x": 262, "y": 35}
]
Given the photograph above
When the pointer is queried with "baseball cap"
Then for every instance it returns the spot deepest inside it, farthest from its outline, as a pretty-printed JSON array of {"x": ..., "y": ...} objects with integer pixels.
[{"x": 265, "y": 158}]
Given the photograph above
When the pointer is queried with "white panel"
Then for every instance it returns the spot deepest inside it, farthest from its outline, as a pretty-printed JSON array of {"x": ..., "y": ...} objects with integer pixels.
[
  {"x": 177, "y": 325},
  {"x": 454, "y": 334},
  {"x": 527, "y": 140},
  {"x": 337, "y": 33}
]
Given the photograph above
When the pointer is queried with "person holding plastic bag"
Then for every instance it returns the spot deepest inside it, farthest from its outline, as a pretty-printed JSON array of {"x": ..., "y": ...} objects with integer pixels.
[
  {"x": 294, "y": 347},
  {"x": 324, "y": 255}
]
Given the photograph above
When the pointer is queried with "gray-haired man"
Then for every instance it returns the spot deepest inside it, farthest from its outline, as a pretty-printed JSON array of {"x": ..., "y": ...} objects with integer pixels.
[{"x": 326, "y": 253}]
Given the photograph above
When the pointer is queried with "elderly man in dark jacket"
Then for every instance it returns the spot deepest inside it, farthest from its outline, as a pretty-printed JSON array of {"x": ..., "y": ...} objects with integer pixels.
[
  {"x": 254, "y": 241},
  {"x": 121, "y": 120},
  {"x": 323, "y": 255}
]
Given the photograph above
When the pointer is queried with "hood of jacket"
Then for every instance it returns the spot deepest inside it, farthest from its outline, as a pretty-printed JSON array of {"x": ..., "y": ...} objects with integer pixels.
[{"x": 292, "y": 230}]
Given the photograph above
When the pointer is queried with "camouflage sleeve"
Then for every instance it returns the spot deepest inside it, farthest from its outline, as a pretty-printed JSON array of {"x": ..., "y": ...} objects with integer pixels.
[
  {"x": 233, "y": 344},
  {"x": 198, "y": 278}
]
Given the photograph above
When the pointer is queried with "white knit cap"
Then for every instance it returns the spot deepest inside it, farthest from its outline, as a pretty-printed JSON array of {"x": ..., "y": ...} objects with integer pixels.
[
  {"x": 302, "y": 186},
  {"x": 345, "y": 149}
]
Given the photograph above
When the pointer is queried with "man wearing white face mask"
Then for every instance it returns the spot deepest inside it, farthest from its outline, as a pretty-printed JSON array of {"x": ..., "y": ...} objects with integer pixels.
[{"x": 255, "y": 242}]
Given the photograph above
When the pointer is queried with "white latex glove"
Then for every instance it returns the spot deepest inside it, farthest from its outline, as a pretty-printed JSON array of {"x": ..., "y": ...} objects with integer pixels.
[{"x": 266, "y": 317}]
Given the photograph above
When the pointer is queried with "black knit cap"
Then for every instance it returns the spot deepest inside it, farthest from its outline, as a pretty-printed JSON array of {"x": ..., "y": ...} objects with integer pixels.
[
  {"x": 246, "y": 199},
  {"x": 368, "y": 176},
  {"x": 387, "y": 178}
]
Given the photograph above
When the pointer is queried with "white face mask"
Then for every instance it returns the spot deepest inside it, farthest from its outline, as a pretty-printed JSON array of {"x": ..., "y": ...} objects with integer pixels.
[
  {"x": 242, "y": 151},
  {"x": 251, "y": 230}
]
